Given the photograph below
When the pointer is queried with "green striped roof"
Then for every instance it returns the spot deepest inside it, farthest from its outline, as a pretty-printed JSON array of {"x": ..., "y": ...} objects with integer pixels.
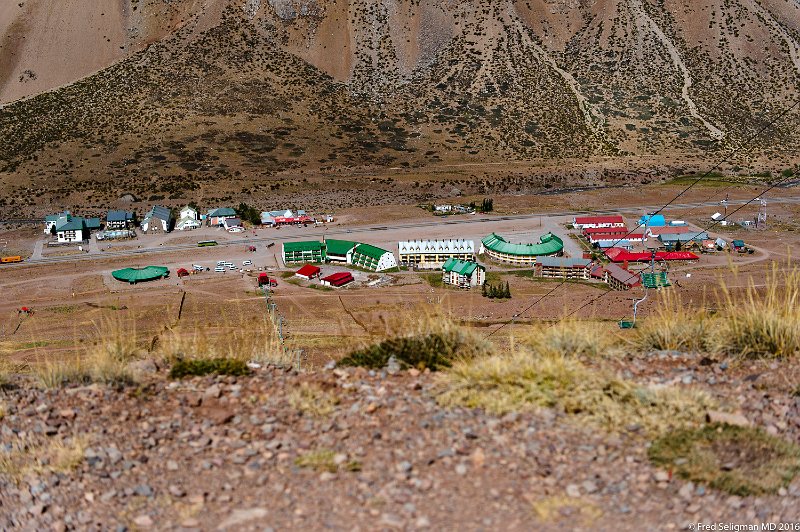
[
  {"x": 461, "y": 267},
  {"x": 135, "y": 275},
  {"x": 549, "y": 244},
  {"x": 370, "y": 251},
  {"x": 655, "y": 280},
  {"x": 340, "y": 247},
  {"x": 310, "y": 245}
]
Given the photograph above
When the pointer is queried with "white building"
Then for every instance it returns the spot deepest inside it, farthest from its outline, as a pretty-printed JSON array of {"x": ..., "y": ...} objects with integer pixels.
[
  {"x": 464, "y": 274},
  {"x": 189, "y": 219},
  {"x": 432, "y": 254},
  {"x": 372, "y": 258},
  {"x": 157, "y": 218}
]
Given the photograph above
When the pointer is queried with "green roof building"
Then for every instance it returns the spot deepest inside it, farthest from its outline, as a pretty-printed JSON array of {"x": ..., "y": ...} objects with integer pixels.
[
  {"x": 310, "y": 251},
  {"x": 339, "y": 250},
  {"x": 464, "y": 274},
  {"x": 372, "y": 258},
  {"x": 502, "y": 250},
  {"x": 138, "y": 275}
]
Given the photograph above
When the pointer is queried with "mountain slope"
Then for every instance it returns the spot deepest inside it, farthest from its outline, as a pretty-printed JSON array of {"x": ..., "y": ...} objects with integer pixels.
[{"x": 209, "y": 89}]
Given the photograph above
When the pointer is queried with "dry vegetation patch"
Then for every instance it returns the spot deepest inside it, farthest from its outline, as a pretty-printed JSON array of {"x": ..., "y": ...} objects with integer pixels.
[
  {"x": 738, "y": 460},
  {"x": 51, "y": 456},
  {"x": 524, "y": 380},
  {"x": 311, "y": 399}
]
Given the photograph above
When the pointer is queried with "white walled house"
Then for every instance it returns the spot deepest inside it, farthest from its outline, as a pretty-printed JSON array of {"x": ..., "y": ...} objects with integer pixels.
[
  {"x": 119, "y": 220},
  {"x": 189, "y": 219},
  {"x": 217, "y": 217},
  {"x": 157, "y": 219}
]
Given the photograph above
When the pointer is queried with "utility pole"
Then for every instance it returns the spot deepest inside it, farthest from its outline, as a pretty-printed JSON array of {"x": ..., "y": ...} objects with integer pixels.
[
  {"x": 761, "y": 221},
  {"x": 725, "y": 204}
]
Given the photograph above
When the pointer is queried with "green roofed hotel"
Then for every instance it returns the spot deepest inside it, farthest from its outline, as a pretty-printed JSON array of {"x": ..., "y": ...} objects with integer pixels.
[
  {"x": 500, "y": 249},
  {"x": 311, "y": 251},
  {"x": 372, "y": 258},
  {"x": 464, "y": 274},
  {"x": 339, "y": 250}
]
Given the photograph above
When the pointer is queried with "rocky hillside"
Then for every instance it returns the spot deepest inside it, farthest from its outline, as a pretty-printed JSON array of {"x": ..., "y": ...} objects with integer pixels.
[{"x": 214, "y": 89}]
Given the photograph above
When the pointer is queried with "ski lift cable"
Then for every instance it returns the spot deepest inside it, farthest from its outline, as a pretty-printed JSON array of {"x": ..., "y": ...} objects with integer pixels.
[
  {"x": 707, "y": 228},
  {"x": 747, "y": 141}
]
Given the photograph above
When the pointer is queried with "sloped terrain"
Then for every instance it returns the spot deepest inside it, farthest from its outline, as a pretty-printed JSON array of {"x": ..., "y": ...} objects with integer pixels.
[{"x": 241, "y": 97}]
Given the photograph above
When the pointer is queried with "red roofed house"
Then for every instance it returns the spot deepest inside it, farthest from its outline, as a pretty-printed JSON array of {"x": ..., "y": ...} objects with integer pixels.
[
  {"x": 308, "y": 272},
  {"x": 337, "y": 279},
  {"x": 620, "y": 231},
  {"x": 583, "y": 222},
  {"x": 605, "y": 237},
  {"x": 619, "y": 278}
]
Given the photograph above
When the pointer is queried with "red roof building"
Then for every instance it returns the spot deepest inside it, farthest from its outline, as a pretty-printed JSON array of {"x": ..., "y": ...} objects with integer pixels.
[
  {"x": 623, "y": 255},
  {"x": 583, "y": 222},
  {"x": 619, "y": 278},
  {"x": 308, "y": 272},
  {"x": 607, "y": 230},
  {"x": 337, "y": 279},
  {"x": 668, "y": 230}
]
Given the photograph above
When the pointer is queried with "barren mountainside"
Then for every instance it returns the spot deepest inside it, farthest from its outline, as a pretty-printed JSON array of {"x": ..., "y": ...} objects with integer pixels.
[{"x": 209, "y": 88}]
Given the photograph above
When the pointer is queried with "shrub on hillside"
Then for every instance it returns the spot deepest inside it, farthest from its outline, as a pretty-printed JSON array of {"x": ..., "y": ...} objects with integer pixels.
[{"x": 208, "y": 366}]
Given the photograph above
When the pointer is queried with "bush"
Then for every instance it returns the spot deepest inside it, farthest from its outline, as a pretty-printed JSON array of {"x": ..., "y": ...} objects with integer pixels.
[
  {"x": 433, "y": 351},
  {"x": 208, "y": 366},
  {"x": 523, "y": 380},
  {"x": 738, "y": 460}
]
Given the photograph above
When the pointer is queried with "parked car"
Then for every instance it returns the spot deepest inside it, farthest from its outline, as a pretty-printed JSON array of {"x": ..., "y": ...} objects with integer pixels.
[
  {"x": 197, "y": 268},
  {"x": 247, "y": 263},
  {"x": 219, "y": 269}
]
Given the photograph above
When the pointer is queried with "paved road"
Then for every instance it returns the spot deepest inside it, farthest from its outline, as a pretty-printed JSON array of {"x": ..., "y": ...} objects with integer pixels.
[{"x": 352, "y": 232}]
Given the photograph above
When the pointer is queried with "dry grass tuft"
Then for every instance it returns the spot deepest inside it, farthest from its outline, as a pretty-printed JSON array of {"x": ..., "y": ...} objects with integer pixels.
[
  {"x": 761, "y": 323},
  {"x": 572, "y": 338},
  {"x": 53, "y": 456},
  {"x": 312, "y": 400},
  {"x": 423, "y": 340},
  {"x": 556, "y": 508},
  {"x": 674, "y": 328},
  {"x": 326, "y": 460},
  {"x": 251, "y": 340},
  {"x": 106, "y": 361},
  {"x": 527, "y": 381},
  {"x": 738, "y": 460}
]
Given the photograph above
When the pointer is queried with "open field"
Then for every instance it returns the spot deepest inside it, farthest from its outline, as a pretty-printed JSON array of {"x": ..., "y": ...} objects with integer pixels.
[{"x": 72, "y": 290}]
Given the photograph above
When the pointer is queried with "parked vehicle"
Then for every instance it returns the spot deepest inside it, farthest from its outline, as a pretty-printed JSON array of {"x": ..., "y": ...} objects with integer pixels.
[
  {"x": 206, "y": 243},
  {"x": 198, "y": 268},
  {"x": 247, "y": 263},
  {"x": 251, "y": 249},
  {"x": 219, "y": 269},
  {"x": 9, "y": 260},
  {"x": 270, "y": 244}
]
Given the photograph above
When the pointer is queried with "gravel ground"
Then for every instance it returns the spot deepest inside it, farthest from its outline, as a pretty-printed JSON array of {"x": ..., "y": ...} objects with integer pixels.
[{"x": 221, "y": 453}]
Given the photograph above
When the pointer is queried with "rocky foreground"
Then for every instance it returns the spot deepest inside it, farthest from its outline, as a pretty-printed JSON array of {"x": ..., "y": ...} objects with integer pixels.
[{"x": 352, "y": 449}]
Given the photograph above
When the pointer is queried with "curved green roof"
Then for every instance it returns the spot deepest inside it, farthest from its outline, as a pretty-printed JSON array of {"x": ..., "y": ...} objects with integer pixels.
[
  {"x": 137, "y": 275},
  {"x": 549, "y": 244}
]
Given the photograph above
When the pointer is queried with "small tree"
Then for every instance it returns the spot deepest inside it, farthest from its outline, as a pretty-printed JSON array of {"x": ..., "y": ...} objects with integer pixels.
[
  {"x": 483, "y": 290},
  {"x": 53, "y": 229},
  {"x": 507, "y": 294}
]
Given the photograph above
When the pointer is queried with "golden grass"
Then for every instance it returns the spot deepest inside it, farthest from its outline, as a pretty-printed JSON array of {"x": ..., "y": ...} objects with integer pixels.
[
  {"x": 325, "y": 460},
  {"x": 312, "y": 400},
  {"x": 52, "y": 456},
  {"x": 573, "y": 338},
  {"x": 107, "y": 360},
  {"x": 251, "y": 340},
  {"x": 761, "y": 322},
  {"x": 524, "y": 380},
  {"x": 738, "y": 460},
  {"x": 552, "y": 509}
]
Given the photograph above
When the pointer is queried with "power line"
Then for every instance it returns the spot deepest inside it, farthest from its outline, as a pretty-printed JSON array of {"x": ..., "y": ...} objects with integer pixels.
[
  {"x": 709, "y": 227},
  {"x": 747, "y": 141}
]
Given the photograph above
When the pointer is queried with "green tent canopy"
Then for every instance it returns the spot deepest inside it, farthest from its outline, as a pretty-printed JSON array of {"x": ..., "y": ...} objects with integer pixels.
[{"x": 138, "y": 275}]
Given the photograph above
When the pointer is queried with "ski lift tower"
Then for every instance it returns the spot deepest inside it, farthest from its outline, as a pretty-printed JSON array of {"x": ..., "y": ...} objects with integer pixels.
[{"x": 761, "y": 221}]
